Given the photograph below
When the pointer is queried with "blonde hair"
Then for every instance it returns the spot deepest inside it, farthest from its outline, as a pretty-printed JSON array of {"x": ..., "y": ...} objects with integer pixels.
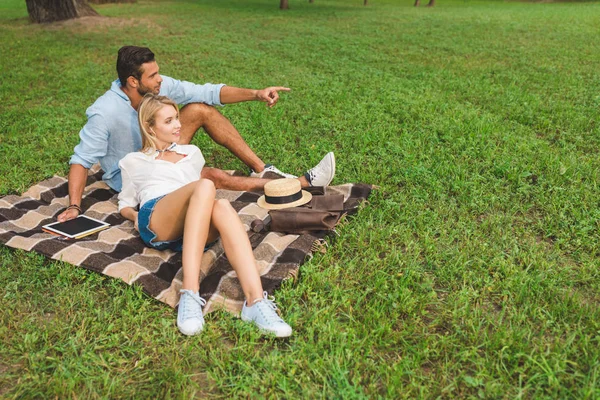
[{"x": 149, "y": 106}]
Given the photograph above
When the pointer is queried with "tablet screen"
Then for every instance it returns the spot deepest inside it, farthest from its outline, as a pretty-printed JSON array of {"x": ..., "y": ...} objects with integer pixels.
[{"x": 76, "y": 226}]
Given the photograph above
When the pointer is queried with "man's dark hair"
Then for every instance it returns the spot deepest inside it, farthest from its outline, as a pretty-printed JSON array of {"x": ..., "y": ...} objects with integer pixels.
[{"x": 130, "y": 60}]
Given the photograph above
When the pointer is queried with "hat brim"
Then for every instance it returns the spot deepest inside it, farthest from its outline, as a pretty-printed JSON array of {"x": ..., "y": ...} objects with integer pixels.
[{"x": 306, "y": 197}]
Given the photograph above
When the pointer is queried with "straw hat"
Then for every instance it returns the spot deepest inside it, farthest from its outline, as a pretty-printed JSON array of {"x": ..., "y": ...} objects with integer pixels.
[{"x": 283, "y": 193}]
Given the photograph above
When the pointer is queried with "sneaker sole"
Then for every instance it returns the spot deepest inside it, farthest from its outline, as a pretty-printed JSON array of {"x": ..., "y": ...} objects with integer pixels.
[
  {"x": 267, "y": 331},
  {"x": 190, "y": 333},
  {"x": 332, "y": 158},
  {"x": 272, "y": 175},
  {"x": 332, "y": 169}
]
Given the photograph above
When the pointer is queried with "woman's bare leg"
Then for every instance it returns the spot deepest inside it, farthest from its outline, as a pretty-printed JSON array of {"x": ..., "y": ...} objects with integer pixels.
[
  {"x": 193, "y": 212},
  {"x": 237, "y": 248},
  {"x": 187, "y": 211},
  {"x": 196, "y": 232}
]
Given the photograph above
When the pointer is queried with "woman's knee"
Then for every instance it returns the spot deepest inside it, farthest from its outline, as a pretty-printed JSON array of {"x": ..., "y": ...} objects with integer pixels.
[
  {"x": 205, "y": 187},
  {"x": 223, "y": 207}
]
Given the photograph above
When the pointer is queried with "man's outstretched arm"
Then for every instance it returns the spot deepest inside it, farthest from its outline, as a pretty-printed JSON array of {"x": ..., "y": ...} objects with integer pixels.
[
  {"x": 270, "y": 95},
  {"x": 77, "y": 178}
]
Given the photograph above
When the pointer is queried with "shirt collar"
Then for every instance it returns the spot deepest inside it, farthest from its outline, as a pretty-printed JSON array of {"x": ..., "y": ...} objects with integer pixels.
[{"x": 116, "y": 87}]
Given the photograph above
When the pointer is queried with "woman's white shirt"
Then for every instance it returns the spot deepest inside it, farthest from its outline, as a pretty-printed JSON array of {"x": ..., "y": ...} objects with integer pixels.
[{"x": 146, "y": 178}]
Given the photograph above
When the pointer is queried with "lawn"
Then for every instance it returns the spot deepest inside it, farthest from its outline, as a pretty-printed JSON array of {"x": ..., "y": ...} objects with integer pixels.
[{"x": 473, "y": 271}]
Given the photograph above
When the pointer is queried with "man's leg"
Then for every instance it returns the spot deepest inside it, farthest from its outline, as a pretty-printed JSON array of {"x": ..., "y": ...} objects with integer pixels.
[
  {"x": 223, "y": 180},
  {"x": 319, "y": 175},
  {"x": 197, "y": 115}
]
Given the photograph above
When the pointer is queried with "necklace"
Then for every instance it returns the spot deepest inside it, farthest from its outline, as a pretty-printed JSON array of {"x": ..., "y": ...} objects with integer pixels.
[
  {"x": 168, "y": 148},
  {"x": 160, "y": 152}
]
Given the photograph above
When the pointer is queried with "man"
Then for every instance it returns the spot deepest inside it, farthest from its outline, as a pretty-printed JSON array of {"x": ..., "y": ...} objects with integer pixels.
[{"x": 112, "y": 130}]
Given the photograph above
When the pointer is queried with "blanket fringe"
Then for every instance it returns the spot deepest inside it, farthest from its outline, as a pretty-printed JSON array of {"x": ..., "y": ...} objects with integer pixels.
[{"x": 319, "y": 246}]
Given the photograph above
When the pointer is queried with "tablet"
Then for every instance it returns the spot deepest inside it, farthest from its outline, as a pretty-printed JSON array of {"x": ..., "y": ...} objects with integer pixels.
[{"x": 76, "y": 228}]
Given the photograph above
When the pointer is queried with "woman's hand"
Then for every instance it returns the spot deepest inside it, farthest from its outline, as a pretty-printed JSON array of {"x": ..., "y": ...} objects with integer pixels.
[
  {"x": 132, "y": 215},
  {"x": 135, "y": 222}
]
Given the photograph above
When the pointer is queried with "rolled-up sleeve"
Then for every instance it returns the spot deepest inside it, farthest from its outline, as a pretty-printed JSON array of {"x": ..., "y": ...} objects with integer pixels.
[
  {"x": 184, "y": 92},
  {"x": 93, "y": 143},
  {"x": 128, "y": 196}
]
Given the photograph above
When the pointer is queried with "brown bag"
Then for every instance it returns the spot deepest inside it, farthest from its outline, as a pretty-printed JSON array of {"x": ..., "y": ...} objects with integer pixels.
[
  {"x": 302, "y": 220},
  {"x": 334, "y": 202}
]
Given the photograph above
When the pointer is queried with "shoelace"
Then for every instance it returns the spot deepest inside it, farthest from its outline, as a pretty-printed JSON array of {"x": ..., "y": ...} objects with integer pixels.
[
  {"x": 266, "y": 168},
  {"x": 311, "y": 176},
  {"x": 268, "y": 309},
  {"x": 201, "y": 302}
]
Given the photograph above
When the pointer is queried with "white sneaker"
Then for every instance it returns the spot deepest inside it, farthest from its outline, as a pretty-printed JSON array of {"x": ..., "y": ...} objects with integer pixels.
[
  {"x": 190, "y": 320},
  {"x": 273, "y": 169},
  {"x": 263, "y": 314},
  {"x": 323, "y": 173}
]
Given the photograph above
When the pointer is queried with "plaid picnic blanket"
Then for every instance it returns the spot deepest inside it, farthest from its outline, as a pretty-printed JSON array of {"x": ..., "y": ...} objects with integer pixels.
[{"x": 119, "y": 252}]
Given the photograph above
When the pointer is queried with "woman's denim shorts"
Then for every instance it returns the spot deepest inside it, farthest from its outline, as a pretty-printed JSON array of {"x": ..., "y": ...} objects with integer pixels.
[{"x": 148, "y": 236}]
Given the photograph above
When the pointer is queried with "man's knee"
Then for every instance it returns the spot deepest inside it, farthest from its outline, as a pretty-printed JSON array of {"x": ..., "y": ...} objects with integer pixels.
[
  {"x": 219, "y": 177},
  {"x": 198, "y": 112}
]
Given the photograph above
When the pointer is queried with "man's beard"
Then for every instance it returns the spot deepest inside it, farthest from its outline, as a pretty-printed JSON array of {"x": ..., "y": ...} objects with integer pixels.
[{"x": 142, "y": 90}]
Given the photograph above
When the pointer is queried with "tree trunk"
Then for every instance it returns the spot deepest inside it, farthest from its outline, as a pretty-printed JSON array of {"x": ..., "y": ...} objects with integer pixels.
[
  {"x": 431, "y": 3},
  {"x": 417, "y": 2},
  {"x": 311, "y": 1},
  {"x": 366, "y": 2},
  {"x": 283, "y": 5},
  {"x": 57, "y": 10}
]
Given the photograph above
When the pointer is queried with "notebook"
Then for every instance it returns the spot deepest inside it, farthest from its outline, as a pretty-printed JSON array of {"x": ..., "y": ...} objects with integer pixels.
[{"x": 76, "y": 228}]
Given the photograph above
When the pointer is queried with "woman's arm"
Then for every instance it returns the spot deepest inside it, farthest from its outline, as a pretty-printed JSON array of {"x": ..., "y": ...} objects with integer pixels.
[{"x": 128, "y": 197}]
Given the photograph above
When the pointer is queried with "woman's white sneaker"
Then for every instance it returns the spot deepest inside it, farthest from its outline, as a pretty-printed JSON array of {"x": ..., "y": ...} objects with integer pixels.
[
  {"x": 190, "y": 320},
  {"x": 263, "y": 314}
]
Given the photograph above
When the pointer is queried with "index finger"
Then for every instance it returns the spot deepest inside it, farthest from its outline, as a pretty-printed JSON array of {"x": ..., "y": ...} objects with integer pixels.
[{"x": 283, "y": 89}]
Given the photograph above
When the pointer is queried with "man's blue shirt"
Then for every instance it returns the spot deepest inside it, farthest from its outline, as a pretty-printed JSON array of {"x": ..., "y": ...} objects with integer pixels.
[{"x": 112, "y": 129}]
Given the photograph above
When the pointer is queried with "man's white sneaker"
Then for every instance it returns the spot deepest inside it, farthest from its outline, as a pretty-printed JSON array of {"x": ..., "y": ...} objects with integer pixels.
[
  {"x": 322, "y": 174},
  {"x": 263, "y": 314},
  {"x": 190, "y": 320},
  {"x": 273, "y": 169}
]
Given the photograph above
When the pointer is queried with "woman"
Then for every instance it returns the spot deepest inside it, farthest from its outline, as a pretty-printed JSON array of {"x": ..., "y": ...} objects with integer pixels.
[{"x": 163, "y": 178}]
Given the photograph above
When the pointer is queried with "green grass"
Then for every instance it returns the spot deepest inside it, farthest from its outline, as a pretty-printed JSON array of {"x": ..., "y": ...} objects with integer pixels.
[{"x": 472, "y": 272}]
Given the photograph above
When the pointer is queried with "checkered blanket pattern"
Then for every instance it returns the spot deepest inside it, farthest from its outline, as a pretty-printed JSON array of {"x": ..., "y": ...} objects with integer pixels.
[{"x": 120, "y": 253}]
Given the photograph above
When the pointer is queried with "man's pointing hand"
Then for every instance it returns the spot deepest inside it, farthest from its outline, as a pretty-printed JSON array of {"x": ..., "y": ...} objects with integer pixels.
[{"x": 270, "y": 95}]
